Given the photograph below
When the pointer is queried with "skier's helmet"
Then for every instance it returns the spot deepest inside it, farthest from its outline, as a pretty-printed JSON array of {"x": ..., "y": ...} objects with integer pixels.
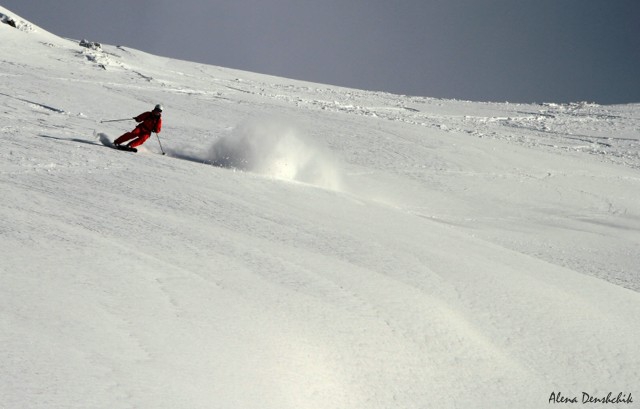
[{"x": 158, "y": 108}]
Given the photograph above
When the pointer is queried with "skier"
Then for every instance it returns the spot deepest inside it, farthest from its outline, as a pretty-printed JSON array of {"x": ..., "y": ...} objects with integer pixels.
[{"x": 148, "y": 122}]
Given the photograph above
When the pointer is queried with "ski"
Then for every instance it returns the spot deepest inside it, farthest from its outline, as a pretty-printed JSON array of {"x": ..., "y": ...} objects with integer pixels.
[{"x": 125, "y": 148}]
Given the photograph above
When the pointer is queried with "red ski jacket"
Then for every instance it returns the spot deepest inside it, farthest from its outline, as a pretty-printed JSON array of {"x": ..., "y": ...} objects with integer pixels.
[{"x": 149, "y": 122}]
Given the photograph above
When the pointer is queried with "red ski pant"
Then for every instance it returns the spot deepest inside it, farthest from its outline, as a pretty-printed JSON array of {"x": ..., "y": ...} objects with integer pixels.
[{"x": 139, "y": 134}]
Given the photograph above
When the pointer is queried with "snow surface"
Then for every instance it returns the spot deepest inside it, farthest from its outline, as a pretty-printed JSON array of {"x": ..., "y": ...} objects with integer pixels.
[{"x": 304, "y": 245}]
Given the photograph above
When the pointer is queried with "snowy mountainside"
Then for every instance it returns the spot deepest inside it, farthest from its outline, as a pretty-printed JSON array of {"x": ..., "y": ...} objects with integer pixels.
[{"x": 304, "y": 245}]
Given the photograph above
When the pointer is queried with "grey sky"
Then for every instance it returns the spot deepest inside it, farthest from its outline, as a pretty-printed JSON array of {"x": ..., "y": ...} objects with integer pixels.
[{"x": 483, "y": 50}]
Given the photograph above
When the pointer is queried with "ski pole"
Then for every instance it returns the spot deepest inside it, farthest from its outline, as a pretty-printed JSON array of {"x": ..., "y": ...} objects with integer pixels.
[
  {"x": 158, "y": 136},
  {"x": 116, "y": 120}
]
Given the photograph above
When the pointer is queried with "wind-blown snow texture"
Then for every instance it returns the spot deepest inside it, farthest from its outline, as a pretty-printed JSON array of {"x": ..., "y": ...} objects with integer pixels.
[{"x": 305, "y": 246}]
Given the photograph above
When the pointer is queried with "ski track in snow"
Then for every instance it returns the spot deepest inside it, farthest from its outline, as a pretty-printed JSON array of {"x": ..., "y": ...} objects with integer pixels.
[{"x": 303, "y": 245}]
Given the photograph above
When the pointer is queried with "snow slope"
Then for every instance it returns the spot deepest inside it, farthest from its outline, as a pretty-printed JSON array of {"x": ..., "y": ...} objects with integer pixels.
[{"x": 304, "y": 245}]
